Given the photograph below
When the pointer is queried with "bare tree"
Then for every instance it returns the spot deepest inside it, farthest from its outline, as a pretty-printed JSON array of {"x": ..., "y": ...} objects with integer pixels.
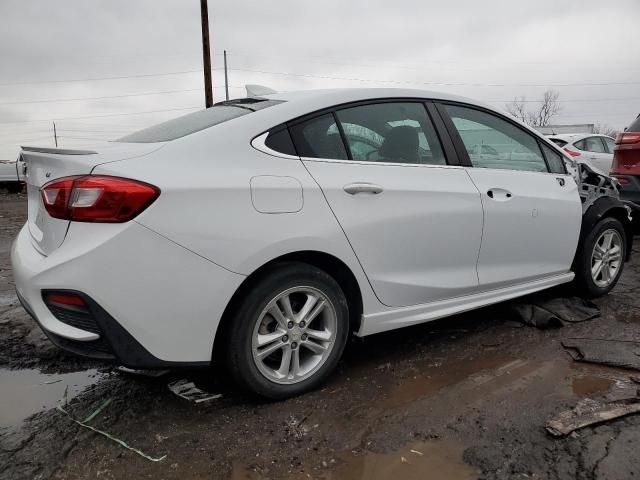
[
  {"x": 542, "y": 115},
  {"x": 605, "y": 129},
  {"x": 518, "y": 109}
]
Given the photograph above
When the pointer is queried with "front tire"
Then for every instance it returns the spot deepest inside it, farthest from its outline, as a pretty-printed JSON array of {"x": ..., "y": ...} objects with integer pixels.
[
  {"x": 289, "y": 332},
  {"x": 601, "y": 257}
]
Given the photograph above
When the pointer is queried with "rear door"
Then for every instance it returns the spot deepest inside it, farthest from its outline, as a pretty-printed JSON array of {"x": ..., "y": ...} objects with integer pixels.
[
  {"x": 597, "y": 154},
  {"x": 532, "y": 210},
  {"x": 413, "y": 219}
]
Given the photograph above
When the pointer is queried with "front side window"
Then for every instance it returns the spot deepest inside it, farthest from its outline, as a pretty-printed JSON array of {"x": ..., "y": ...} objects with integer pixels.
[
  {"x": 391, "y": 132},
  {"x": 493, "y": 142},
  {"x": 593, "y": 144},
  {"x": 319, "y": 138}
]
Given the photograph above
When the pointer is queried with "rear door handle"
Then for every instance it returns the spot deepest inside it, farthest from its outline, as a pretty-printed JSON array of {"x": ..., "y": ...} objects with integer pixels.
[
  {"x": 561, "y": 181},
  {"x": 362, "y": 187}
]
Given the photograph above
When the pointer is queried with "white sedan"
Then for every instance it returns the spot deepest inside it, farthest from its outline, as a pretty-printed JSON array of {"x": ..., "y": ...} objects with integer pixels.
[
  {"x": 263, "y": 231},
  {"x": 593, "y": 149}
]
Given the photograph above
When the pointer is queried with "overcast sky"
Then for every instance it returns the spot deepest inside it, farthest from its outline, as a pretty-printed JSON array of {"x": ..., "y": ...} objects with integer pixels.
[{"x": 71, "y": 50}]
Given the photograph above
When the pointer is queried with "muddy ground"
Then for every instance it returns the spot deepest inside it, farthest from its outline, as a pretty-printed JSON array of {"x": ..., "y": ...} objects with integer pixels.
[{"x": 466, "y": 397}]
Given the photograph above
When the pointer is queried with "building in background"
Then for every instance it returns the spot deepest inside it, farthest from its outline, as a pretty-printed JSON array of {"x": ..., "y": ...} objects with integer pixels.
[{"x": 558, "y": 129}]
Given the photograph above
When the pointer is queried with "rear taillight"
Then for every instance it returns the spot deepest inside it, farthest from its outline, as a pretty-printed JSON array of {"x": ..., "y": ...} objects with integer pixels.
[
  {"x": 621, "y": 179},
  {"x": 97, "y": 198},
  {"x": 627, "y": 137},
  {"x": 573, "y": 153}
]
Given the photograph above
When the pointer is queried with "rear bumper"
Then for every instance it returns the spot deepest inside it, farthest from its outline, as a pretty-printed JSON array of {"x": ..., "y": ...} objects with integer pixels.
[
  {"x": 154, "y": 303},
  {"x": 630, "y": 190}
]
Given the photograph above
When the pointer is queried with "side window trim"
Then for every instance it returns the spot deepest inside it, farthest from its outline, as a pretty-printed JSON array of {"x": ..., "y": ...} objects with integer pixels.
[
  {"x": 454, "y": 135},
  {"x": 450, "y": 155},
  {"x": 459, "y": 144},
  {"x": 343, "y": 137}
]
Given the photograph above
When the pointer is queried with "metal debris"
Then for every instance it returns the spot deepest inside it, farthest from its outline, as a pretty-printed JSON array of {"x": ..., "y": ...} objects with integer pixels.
[
  {"x": 188, "y": 390},
  {"x": 590, "y": 412},
  {"x": 144, "y": 373}
]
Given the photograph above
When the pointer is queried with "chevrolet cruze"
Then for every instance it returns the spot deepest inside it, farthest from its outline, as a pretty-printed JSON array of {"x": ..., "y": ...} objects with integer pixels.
[{"x": 263, "y": 231}]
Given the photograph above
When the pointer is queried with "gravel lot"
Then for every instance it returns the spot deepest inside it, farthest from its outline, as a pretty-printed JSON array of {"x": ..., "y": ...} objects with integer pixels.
[{"x": 465, "y": 397}]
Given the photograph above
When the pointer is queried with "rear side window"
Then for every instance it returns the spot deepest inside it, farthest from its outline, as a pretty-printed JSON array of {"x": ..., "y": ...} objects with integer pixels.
[
  {"x": 319, "y": 138},
  {"x": 493, "y": 142},
  {"x": 554, "y": 160},
  {"x": 391, "y": 132},
  {"x": 580, "y": 145},
  {"x": 197, "y": 121},
  {"x": 280, "y": 141},
  {"x": 594, "y": 144}
]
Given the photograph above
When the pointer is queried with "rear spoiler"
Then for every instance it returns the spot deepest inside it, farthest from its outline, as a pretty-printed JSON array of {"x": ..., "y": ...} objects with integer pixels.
[{"x": 58, "y": 151}]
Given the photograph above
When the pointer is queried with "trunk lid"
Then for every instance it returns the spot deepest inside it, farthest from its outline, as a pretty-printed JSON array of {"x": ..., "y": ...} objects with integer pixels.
[{"x": 46, "y": 164}]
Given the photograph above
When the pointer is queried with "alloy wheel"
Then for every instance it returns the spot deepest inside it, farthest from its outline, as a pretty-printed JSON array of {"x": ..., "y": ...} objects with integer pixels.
[
  {"x": 606, "y": 258},
  {"x": 294, "y": 335}
]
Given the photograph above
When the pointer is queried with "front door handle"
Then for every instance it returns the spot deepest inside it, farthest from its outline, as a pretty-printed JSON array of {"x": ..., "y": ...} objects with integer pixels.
[
  {"x": 499, "y": 194},
  {"x": 561, "y": 181},
  {"x": 363, "y": 187}
]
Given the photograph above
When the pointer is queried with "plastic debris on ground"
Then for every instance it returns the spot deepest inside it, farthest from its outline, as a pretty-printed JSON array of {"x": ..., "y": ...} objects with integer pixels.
[
  {"x": 615, "y": 353},
  {"x": 542, "y": 312},
  {"x": 188, "y": 390}
]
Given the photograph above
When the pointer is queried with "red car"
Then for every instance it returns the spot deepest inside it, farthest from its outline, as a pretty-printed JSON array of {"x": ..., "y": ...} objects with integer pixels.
[{"x": 626, "y": 162}]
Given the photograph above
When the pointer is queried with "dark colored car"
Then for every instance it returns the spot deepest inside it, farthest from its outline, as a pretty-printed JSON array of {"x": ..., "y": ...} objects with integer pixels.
[{"x": 626, "y": 162}]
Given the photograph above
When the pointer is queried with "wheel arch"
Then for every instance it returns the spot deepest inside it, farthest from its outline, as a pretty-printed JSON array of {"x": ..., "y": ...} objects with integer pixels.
[
  {"x": 330, "y": 264},
  {"x": 607, "y": 207}
]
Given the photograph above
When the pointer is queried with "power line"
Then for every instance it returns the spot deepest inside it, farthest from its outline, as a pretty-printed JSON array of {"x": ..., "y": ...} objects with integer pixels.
[
  {"x": 417, "y": 82},
  {"x": 95, "y": 79}
]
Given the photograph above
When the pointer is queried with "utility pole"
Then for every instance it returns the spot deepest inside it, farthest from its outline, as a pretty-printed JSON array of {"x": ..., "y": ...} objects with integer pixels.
[
  {"x": 226, "y": 77},
  {"x": 206, "y": 54},
  {"x": 55, "y": 134}
]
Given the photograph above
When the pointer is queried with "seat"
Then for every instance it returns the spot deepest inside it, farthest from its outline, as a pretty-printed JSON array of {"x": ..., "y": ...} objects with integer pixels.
[{"x": 401, "y": 144}]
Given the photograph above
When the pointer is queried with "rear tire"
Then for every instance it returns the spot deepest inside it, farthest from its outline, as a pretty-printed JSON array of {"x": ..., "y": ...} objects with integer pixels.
[
  {"x": 289, "y": 332},
  {"x": 600, "y": 259}
]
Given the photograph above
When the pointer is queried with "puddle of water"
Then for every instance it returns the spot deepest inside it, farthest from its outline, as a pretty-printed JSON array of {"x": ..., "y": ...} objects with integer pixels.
[
  {"x": 433, "y": 460},
  {"x": 590, "y": 384},
  {"x": 425, "y": 461},
  {"x": 25, "y": 392},
  {"x": 434, "y": 378}
]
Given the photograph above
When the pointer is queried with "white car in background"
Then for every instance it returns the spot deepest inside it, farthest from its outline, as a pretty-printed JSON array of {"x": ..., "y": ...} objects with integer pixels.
[
  {"x": 11, "y": 174},
  {"x": 263, "y": 231},
  {"x": 590, "y": 148}
]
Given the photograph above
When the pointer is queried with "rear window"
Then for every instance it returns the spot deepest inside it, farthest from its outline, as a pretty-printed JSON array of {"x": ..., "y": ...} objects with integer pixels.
[
  {"x": 197, "y": 121},
  {"x": 635, "y": 125}
]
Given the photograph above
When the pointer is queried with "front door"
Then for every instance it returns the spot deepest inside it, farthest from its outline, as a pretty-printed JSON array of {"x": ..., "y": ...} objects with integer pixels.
[
  {"x": 532, "y": 216},
  {"x": 414, "y": 222}
]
